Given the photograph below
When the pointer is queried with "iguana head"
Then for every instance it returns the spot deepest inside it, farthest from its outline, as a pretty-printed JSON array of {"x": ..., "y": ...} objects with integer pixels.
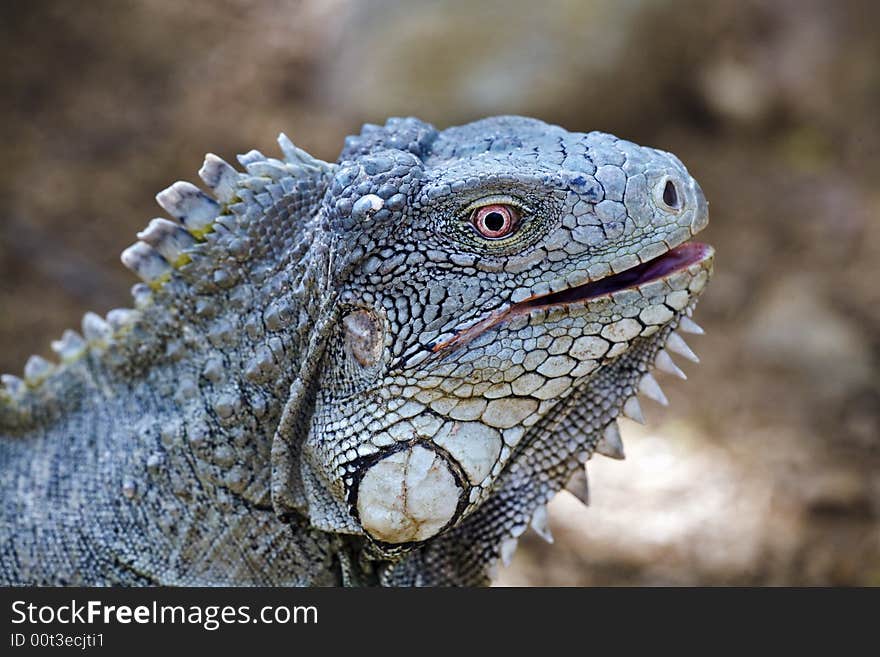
[{"x": 496, "y": 272}]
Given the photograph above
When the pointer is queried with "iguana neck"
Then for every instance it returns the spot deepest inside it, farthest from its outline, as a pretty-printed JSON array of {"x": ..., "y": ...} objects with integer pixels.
[{"x": 187, "y": 395}]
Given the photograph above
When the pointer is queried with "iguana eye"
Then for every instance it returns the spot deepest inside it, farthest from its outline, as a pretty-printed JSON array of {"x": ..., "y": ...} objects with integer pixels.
[{"x": 495, "y": 221}]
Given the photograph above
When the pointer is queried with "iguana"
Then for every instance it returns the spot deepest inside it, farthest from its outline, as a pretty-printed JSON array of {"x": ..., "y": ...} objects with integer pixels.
[{"x": 375, "y": 371}]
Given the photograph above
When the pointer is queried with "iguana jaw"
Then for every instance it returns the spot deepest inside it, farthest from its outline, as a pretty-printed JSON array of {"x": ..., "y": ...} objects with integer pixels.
[{"x": 663, "y": 266}]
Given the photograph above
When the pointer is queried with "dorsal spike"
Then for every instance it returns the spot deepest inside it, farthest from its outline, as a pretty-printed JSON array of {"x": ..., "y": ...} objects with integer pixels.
[
  {"x": 295, "y": 155},
  {"x": 250, "y": 157},
  {"x": 70, "y": 346},
  {"x": 220, "y": 177},
  {"x": 190, "y": 206},
  {"x": 142, "y": 295},
  {"x": 272, "y": 169},
  {"x": 15, "y": 386},
  {"x": 292, "y": 153},
  {"x": 95, "y": 329},
  {"x": 146, "y": 262},
  {"x": 122, "y": 318},
  {"x": 169, "y": 239},
  {"x": 36, "y": 369}
]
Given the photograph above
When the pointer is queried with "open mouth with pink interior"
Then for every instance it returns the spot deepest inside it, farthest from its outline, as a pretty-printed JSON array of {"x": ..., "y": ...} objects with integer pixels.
[
  {"x": 680, "y": 257},
  {"x": 674, "y": 260}
]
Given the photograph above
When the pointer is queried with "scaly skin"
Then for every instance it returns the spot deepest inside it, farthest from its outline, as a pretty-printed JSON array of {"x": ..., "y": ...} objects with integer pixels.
[{"x": 330, "y": 375}]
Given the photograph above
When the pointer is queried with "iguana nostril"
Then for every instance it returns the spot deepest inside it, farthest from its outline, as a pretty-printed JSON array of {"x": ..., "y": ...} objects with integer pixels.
[
  {"x": 408, "y": 496},
  {"x": 670, "y": 194}
]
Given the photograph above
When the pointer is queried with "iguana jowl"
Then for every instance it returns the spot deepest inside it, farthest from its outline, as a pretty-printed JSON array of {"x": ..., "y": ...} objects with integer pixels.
[{"x": 376, "y": 371}]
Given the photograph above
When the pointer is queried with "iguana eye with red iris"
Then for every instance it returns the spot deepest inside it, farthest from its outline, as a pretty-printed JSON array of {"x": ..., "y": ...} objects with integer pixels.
[{"x": 495, "y": 221}]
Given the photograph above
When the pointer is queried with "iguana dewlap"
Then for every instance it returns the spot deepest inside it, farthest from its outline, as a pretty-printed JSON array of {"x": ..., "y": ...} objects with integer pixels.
[{"x": 376, "y": 371}]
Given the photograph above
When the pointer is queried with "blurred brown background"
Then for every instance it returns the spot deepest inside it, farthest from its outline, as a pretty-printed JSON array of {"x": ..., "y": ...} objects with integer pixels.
[{"x": 765, "y": 468}]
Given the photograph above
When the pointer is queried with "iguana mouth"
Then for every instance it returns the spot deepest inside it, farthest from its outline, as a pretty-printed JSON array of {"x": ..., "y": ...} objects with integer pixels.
[{"x": 674, "y": 260}]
